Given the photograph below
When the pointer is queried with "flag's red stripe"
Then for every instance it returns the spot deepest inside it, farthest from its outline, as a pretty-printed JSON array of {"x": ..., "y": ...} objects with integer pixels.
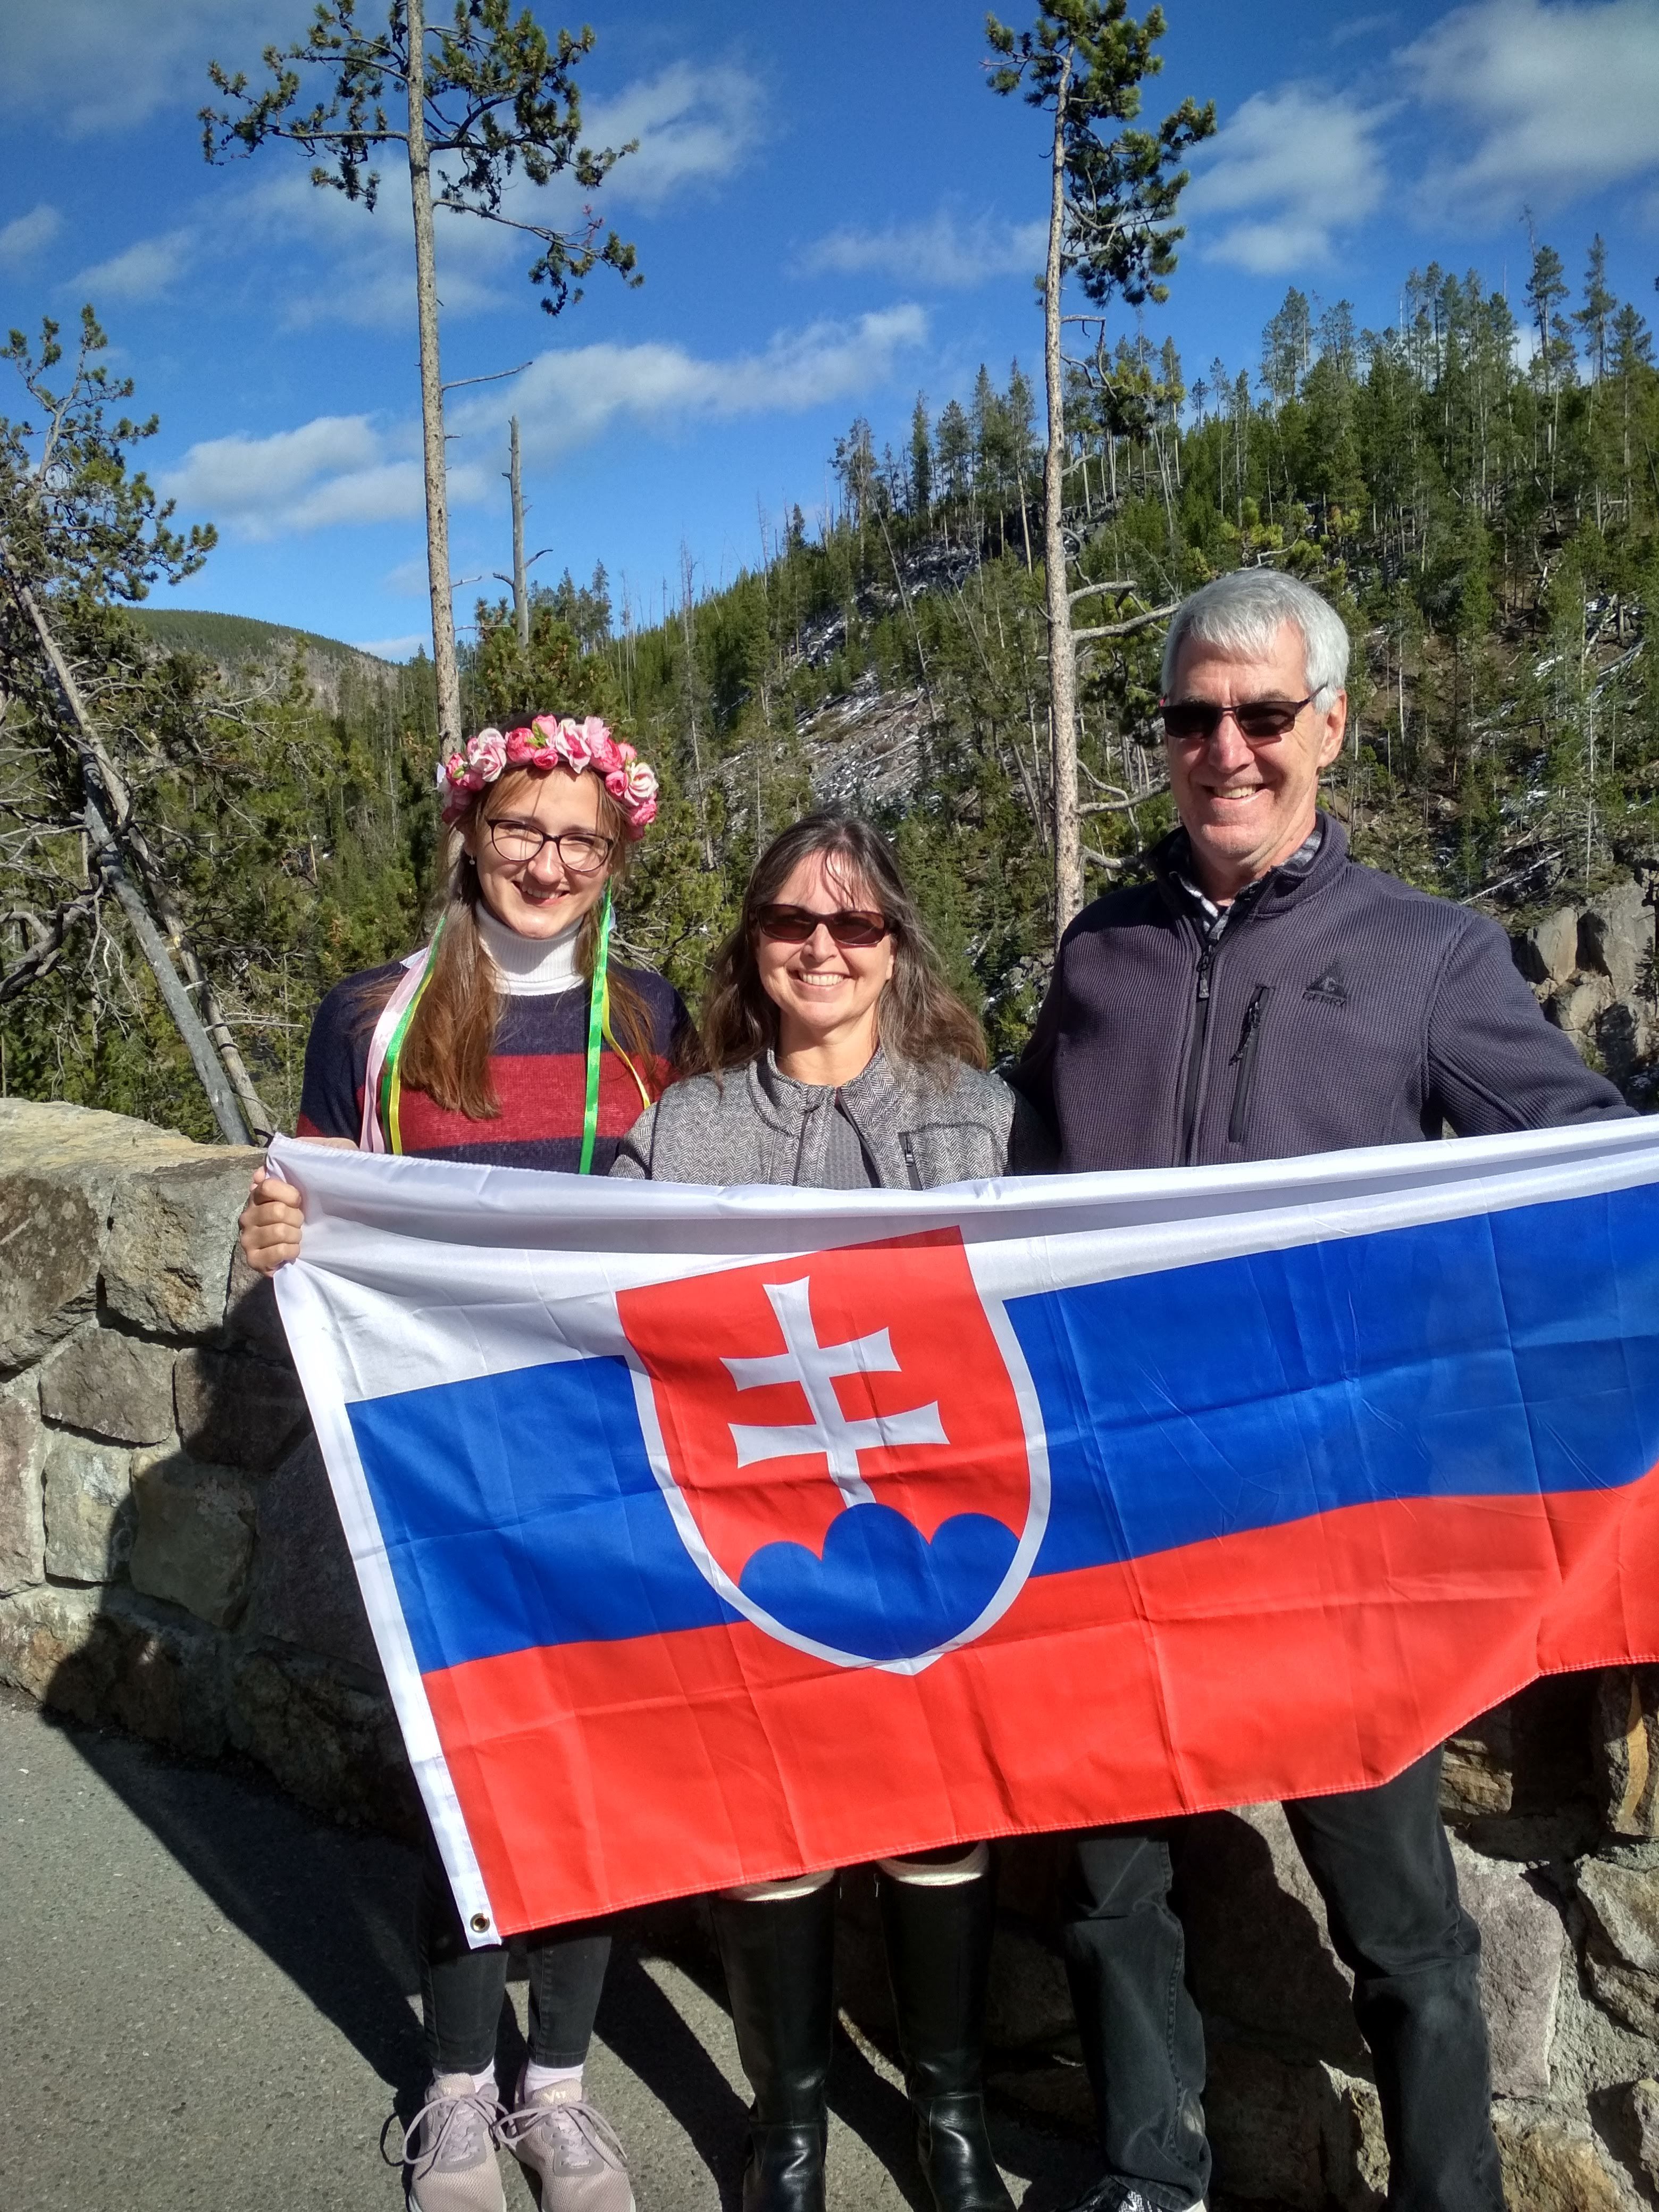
[{"x": 1317, "y": 1656}]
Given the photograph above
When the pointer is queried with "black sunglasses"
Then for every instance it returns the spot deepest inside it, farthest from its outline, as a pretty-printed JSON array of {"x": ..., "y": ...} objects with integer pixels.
[
  {"x": 1257, "y": 719},
  {"x": 793, "y": 924}
]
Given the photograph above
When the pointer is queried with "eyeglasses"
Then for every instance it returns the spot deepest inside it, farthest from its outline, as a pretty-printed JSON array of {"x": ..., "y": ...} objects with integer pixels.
[
  {"x": 580, "y": 851},
  {"x": 1257, "y": 720},
  {"x": 793, "y": 924}
]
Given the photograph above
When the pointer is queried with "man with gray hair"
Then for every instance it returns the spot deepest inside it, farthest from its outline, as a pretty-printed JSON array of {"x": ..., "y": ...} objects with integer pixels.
[{"x": 1265, "y": 996}]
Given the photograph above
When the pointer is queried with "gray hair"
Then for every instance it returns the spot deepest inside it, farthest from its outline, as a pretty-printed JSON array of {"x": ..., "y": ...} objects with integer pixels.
[{"x": 1244, "y": 613}]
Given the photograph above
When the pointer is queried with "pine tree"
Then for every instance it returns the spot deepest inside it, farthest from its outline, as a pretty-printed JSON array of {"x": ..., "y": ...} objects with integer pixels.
[
  {"x": 475, "y": 101},
  {"x": 1113, "y": 194},
  {"x": 922, "y": 461}
]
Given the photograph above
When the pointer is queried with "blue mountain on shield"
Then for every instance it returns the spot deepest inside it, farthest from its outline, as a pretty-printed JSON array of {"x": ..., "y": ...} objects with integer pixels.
[{"x": 882, "y": 1591}]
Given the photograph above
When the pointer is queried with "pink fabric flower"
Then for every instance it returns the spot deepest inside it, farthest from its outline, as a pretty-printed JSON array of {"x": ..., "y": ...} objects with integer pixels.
[
  {"x": 522, "y": 745},
  {"x": 639, "y": 781},
  {"x": 488, "y": 754},
  {"x": 641, "y": 817},
  {"x": 574, "y": 749},
  {"x": 546, "y": 728}
]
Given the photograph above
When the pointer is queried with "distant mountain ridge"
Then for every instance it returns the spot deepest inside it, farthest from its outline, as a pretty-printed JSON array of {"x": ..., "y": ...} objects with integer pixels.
[{"x": 239, "y": 637}]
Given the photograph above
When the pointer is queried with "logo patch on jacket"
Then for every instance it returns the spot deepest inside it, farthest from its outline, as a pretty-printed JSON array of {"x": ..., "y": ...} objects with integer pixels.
[{"x": 1329, "y": 987}]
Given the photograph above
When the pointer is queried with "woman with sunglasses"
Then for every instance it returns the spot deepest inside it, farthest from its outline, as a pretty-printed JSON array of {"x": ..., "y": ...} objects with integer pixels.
[
  {"x": 835, "y": 1055},
  {"x": 512, "y": 1038}
]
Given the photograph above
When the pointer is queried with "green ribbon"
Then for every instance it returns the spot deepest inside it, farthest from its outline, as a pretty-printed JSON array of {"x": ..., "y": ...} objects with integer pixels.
[
  {"x": 599, "y": 1020},
  {"x": 391, "y": 1081}
]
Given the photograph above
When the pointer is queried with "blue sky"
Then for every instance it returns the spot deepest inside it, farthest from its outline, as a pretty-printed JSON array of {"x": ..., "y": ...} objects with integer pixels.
[{"x": 832, "y": 212}]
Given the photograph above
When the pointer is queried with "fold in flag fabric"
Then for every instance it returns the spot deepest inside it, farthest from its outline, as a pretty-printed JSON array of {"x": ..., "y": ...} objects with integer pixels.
[{"x": 710, "y": 1536}]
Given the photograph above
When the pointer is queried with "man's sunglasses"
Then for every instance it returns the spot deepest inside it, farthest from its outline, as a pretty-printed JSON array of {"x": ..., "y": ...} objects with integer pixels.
[
  {"x": 1257, "y": 719},
  {"x": 793, "y": 924}
]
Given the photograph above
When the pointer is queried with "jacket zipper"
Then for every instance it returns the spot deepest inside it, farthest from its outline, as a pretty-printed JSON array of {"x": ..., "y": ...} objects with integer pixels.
[
  {"x": 911, "y": 1168},
  {"x": 1249, "y": 1040},
  {"x": 1189, "y": 1104}
]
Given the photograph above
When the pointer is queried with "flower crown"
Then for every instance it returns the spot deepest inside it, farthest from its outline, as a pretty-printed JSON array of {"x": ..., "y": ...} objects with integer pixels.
[{"x": 550, "y": 743}]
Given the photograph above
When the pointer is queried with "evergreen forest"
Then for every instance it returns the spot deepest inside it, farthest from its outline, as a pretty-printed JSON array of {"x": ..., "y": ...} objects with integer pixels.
[{"x": 1476, "y": 487}]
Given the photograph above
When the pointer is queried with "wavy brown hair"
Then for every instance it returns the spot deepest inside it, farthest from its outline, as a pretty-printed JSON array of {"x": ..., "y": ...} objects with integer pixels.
[
  {"x": 918, "y": 1017},
  {"x": 446, "y": 1051}
]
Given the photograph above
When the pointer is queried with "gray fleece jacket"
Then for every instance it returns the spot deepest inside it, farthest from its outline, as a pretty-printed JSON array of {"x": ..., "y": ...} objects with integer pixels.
[{"x": 754, "y": 1124}]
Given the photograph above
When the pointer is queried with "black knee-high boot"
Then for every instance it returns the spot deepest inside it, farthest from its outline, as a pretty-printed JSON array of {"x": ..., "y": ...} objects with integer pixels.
[
  {"x": 779, "y": 1956},
  {"x": 938, "y": 1954}
]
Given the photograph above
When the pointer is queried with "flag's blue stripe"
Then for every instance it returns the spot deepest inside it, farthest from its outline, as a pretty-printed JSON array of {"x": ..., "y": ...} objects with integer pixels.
[
  {"x": 1505, "y": 1353},
  {"x": 1508, "y": 1353}
]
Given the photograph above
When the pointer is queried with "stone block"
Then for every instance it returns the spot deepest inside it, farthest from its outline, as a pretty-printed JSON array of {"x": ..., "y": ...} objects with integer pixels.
[
  {"x": 1641, "y": 2102},
  {"x": 1625, "y": 1038},
  {"x": 333, "y": 1743},
  {"x": 166, "y": 1267},
  {"x": 52, "y": 1231},
  {"x": 237, "y": 1411},
  {"x": 1577, "y": 1006},
  {"x": 1299, "y": 2137},
  {"x": 1552, "y": 2163},
  {"x": 107, "y": 1656},
  {"x": 42, "y": 1631},
  {"x": 1477, "y": 1776},
  {"x": 114, "y": 1386},
  {"x": 1615, "y": 936},
  {"x": 90, "y": 1520},
  {"x": 304, "y": 1589},
  {"x": 251, "y": 1315},
  {"x": 1549, "y": 952},
  {"x": 195, "y": 1534},
  {"x": 1258, "y": 1950},
  {"x": 1621, "y": 1949},
  {"x": 23, "y": 1456},
  {"x": 1522, "y": 1940},
  {"x": 1626, "y": 1747}
]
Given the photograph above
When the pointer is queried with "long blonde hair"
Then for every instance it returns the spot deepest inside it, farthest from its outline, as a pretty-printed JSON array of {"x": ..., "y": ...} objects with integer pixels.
[{"x": 446, "y": 1051}]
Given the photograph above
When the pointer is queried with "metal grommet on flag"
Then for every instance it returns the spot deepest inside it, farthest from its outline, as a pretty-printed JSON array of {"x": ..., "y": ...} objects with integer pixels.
[{"x": 481, "y": 1924}]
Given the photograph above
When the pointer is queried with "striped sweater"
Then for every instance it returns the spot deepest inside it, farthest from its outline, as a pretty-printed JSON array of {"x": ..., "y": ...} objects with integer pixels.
[{"x": 539, "y": 1064}]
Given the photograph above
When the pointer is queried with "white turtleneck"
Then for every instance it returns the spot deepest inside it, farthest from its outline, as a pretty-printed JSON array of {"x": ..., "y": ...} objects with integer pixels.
[{"x": 530, "y": 967}]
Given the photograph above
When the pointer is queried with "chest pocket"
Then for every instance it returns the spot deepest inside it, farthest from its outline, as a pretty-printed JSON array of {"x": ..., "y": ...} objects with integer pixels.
[{"x": 950, "y": 1152}]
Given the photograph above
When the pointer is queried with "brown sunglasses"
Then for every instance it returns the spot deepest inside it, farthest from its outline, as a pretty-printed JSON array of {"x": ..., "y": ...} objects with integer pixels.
[{"x": 793, "y": 924}]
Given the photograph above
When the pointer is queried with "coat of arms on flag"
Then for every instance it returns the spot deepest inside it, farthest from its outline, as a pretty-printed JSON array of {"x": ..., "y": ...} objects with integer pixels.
[
  {"x": 843, "y": 1445},
  {"x": 712, "y": 1536}
]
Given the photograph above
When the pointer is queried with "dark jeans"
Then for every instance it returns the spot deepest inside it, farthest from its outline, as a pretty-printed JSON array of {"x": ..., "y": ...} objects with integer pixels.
[
  {"x": 461, "y": 1989},
  {"x": 1384, "y": 1869}
]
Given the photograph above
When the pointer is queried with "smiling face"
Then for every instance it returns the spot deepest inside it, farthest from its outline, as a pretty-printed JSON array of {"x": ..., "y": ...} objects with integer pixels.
[
  {"x": 1248, "y": 806},
  {"x": 826, "y": 994},
  {"x": 541, "y": 896}
]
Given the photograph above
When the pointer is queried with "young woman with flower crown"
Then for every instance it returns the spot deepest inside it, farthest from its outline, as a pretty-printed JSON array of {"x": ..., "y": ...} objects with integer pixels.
[{"x": 512, "y": 1038}]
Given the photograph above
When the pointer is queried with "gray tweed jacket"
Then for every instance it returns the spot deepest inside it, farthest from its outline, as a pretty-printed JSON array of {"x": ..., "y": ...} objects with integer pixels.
[{"x": 755, "y": 1125}]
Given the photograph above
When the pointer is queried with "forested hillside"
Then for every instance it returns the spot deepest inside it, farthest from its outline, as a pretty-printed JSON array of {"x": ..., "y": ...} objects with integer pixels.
[{"x": 1478, "y": 489}]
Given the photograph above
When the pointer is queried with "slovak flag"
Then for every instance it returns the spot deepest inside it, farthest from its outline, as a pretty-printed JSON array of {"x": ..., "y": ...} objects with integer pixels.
[{"x": 715, "y": 1535}]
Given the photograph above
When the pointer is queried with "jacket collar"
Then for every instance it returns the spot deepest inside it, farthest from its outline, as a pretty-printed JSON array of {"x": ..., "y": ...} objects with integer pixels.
[
  {"x": 779, "y": 1099},
  {"x": 1309, "y": 869}
]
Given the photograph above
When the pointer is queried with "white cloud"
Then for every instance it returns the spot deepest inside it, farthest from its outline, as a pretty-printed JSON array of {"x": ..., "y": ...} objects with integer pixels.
[
  {"x": 693, "y": 125},
  {"x": 24, "y": 235},
  {"x": 335, "y": 471},
  {"x": 1284, "y": 173},
  {"x": 569, "y": 399},
  {"x": 942, "y": 253},
  {"x": 1564, "y": 99},
  {"x": 397, "y": 648},
  {"x": 408, "y": 580},
  {"x": 101, "y": 65},
  {"x": 143, "y": 271}
]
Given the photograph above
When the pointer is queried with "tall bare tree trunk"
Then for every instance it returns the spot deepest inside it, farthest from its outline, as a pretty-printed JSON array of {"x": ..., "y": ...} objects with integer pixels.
[
  {"x": 207, "y": 1036},
  {"x": 432, "y": 392},
  {"x": 521, "y": 586},
  {"x": 1062, "y": 660}
]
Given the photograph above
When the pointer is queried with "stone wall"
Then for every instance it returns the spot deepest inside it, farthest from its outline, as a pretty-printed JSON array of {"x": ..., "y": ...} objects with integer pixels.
[
  {"x": 1595, "y": 972},
  {"x": 170, "y": 1561}
]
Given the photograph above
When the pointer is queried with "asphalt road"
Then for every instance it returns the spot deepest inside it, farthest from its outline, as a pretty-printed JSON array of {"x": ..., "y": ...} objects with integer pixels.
[{"x": 205, "y": 2006}]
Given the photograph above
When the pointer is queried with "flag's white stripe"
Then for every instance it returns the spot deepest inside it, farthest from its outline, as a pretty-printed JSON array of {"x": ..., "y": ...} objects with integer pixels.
[
  {"x": 417, "y": 1298},
  {"x": 303, "y": 1296}
]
